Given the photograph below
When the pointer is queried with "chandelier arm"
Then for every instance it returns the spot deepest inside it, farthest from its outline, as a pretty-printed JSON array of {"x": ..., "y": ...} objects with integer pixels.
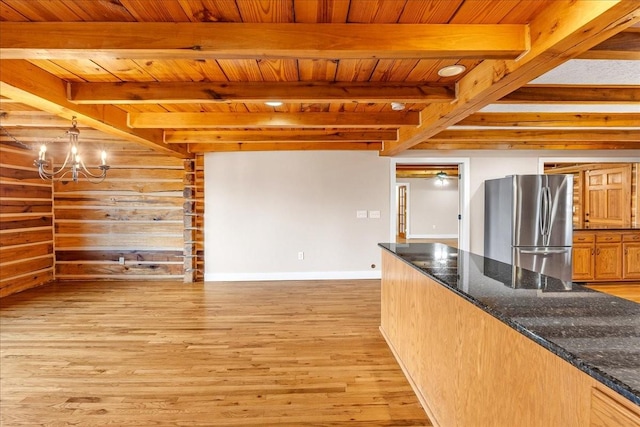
[
  {"x": 85, "y": 171},
  {"x": 94, "y": 179},
  {"x": 51, "y": 175}
]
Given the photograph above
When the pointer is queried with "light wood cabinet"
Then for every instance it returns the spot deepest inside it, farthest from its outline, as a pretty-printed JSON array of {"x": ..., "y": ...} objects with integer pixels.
[
  {"x": 608, "y": 196},
  {"x": 584, "y": 251},
  {"x": 608, "y": 410},
  {"x": 606, "y": 256},
  {"x": 631, "y": 256}
]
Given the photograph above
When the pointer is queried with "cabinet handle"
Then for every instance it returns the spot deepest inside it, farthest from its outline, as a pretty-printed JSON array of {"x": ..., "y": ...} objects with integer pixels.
[
  {"x": 592, "y": 251},
  {"x": 598, "y": 252}
]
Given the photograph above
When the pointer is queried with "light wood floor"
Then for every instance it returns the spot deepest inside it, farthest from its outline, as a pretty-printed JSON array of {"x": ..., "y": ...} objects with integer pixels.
[
  {"x": 629, "y": 290},
  {"x": 225, "y": 354}
]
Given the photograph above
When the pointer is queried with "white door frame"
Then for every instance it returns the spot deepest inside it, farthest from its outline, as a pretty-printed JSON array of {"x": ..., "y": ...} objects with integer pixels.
[{"x": 464, "y": 188}]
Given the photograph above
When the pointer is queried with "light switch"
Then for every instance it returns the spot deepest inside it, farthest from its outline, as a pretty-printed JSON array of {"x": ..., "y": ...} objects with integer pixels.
[
  {"x": 361, "y": 214},
  {"x": 374, "y": 214}
]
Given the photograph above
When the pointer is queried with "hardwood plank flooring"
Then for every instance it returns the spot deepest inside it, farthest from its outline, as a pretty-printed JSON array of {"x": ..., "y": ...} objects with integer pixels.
[
  {"x": 628, "y": 290},
  {"x": 213, "y": 354}
]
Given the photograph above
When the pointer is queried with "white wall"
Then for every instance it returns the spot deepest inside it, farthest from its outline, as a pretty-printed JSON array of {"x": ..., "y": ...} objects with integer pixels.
[
  {"x": 262, "y": 208},
  {"x": 433, "y": 209}
]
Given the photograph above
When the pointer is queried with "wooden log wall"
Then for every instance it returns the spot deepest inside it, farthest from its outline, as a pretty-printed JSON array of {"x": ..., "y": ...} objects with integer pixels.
[
  {"x": 130, "y": 226},
  {"x": 26, "y": 222}
]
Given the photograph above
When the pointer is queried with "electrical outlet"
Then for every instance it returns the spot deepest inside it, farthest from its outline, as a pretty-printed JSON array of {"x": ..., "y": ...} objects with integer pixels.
[
  {"x": 300, "y": 256},
  {"x": 121, "y": 260}
]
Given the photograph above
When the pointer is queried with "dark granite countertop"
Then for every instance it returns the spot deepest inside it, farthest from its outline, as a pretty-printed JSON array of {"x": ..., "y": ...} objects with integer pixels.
[{"x": 596, "y": 332}]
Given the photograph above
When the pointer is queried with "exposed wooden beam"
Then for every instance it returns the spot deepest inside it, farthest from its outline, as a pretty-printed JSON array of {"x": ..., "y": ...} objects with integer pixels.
[
  {"x": 566, "y": 94},
  {"x": 552, "y": 120},
  {"x": 563, "y": 30},
  {"x": 255, "y": 92},
  {"x": 624, "y": 45},
  {"x": 528, "y": 145},
  {"x": 37, "y": 119},
  {"x": 162, "y": 40},
  {"x": 285, "y": 146},
  {"x": 26, "y": 83},
  {"x": 272, "y": 120},
  {"x": 594, "y": 135},
  {"x": 296, "y": 135}
]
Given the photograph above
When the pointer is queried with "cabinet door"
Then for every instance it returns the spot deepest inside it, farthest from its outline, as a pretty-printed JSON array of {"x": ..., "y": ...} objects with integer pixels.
[
  {"x": 608, "y": 196},
  {"x": 608, "y": 261},
  {"x": 583, "y": 261},
  {"x": 631, "y": 260}
]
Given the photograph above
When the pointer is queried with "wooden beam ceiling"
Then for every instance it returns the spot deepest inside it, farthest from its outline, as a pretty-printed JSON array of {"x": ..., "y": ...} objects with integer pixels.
[
  {"x": 28, "y": 84},
  {"x": 285, "y": 146},
  {"x": 624, "y": 45},
  {"x": 290, "y": 135},
  {"x": 179, "y": 40},
  {"x": 255, "y": 92},
  {"x": 272, "y": 120},
  {"x": 568, "y": 94},
  {"x": 546, "y": 135},
  {"x": 552, "y": 120},
  {"x": 508, "y": 57},
  {"x": 562, "y": 31}
]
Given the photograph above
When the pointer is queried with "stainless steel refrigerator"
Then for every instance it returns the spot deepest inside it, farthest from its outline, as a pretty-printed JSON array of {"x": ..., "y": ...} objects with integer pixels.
[{"x": 528, "y": 223}]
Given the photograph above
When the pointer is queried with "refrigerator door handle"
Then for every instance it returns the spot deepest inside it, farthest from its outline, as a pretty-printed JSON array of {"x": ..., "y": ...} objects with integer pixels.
[
  {"x": 546, "y": 211},
  {"x": 544, "y": 251}
]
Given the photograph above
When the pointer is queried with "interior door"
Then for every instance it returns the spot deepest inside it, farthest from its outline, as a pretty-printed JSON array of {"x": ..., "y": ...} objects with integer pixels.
[{"x": 401, "y": 225}]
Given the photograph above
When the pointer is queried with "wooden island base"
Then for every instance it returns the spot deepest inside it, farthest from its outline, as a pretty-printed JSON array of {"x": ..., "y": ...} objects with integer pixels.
[{"x": 470, "y": 369}]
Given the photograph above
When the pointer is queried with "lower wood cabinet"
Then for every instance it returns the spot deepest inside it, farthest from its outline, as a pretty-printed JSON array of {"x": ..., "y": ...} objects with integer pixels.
[
  {"x": 606, "y": 256},
  {"x": 631, "y": 260}
]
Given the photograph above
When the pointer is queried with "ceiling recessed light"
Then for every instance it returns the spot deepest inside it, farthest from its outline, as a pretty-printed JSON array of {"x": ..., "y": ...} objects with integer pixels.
[
  {"x": 397, "y": 106},
  {"x": 451, "y": 70},
  {"x": 273, "y": 103}
]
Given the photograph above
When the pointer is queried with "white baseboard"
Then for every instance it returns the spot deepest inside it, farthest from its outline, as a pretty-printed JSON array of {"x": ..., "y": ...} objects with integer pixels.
[
  {"x": 306, "y": 275},
  {"x": 432, "y": 236}
]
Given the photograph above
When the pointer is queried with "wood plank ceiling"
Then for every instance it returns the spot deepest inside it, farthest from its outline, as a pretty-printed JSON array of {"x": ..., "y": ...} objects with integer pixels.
[{"x": 191, "y": 76}]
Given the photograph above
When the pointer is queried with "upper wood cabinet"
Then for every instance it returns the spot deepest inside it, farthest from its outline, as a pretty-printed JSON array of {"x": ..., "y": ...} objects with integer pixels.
[
  {"x": 608, "y": 196},
  {"x": 604, "y": 194}
]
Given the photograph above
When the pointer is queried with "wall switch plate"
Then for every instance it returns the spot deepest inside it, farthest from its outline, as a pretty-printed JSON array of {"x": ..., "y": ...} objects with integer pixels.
[
  {"x": 374, "y": 214},
  {"x": 121, "y": 260},
  {"x": 361, "y": 214},
  {"x": 300, "y": 256}
]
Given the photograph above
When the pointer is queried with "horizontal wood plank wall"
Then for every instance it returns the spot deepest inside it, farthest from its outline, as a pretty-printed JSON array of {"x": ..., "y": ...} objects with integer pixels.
[
  {"x": 26, "y": 222},
  {"x": 135, "y": 214}
]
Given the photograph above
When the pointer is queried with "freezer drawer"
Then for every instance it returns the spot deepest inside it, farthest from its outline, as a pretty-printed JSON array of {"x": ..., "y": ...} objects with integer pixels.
[{"x": 553, "y": 262}]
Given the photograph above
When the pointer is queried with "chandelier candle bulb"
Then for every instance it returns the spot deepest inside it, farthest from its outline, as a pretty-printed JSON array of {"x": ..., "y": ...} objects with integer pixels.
[{"x": 103, "y": 157}]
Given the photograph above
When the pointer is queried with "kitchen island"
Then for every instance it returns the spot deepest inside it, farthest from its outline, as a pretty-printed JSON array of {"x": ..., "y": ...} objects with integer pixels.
[{"x": 487, "y": 344}]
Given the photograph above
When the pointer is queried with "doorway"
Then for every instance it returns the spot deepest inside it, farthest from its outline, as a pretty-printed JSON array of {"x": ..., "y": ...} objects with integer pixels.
[{"x": 422, "y": 209}]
